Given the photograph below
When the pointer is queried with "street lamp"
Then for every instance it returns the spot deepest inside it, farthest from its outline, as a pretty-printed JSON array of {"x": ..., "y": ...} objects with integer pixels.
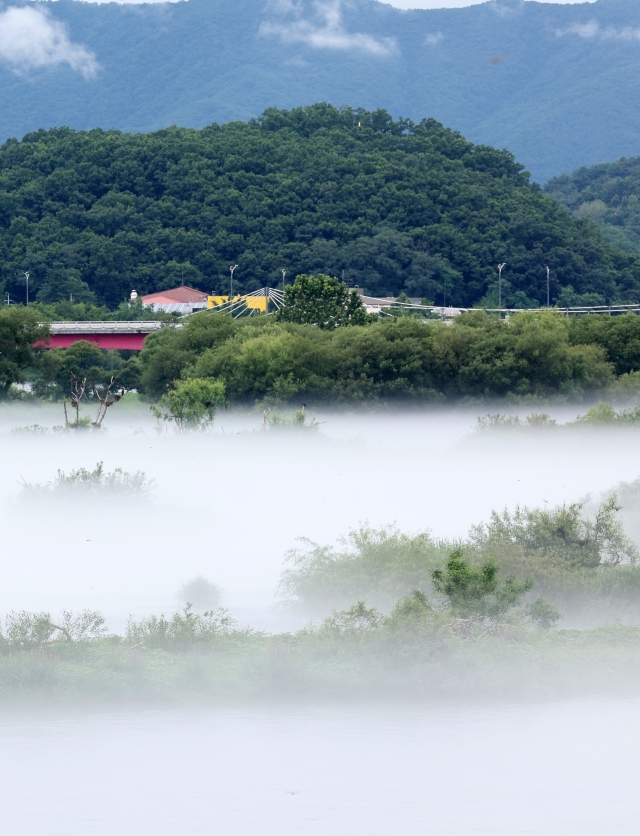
[
  {"x": 27, "y": 278},
  {"x": 500, "y": 266},
  {"x": 548, "y": 305},
  {"x": 444, "y": 296},
  {"x": 231, "y": 296}
]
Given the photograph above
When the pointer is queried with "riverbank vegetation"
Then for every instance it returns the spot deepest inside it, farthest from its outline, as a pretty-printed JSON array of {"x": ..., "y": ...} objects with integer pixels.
[
  {"x": 537, "y": 602},
  {"x": 579, "y": 556},
  {"x": 540, "y": 355},
  {"x": 300, "y": 355},
  {"x": 421, "y": 650}
]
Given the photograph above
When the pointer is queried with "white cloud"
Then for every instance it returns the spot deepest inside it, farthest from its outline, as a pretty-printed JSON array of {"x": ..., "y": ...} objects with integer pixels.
[
  {"x": 433, "y": 39},
  {"x": 324, "y": 30},
  {"x": 593, "y": 30},
  {"x": 32, "y": 38}
]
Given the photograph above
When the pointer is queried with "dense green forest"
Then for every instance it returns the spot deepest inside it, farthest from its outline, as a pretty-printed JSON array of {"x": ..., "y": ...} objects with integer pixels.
[
  {"x": 609, "y": 195},
  {"x": 549, "y": 81},
  {"x": 391, "y": 205}
]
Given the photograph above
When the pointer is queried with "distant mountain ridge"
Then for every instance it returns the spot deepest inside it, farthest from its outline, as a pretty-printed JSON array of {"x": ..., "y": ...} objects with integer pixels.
[{"x": 555, "y": 84}]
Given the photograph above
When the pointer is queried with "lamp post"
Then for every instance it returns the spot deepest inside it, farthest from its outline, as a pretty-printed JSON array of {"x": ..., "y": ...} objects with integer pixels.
[
  {"x": 231, "y": 294},
  {"x": 548, "y": 297},
  {"x": 500, "y": 266},
  {"x": 444, "y": 296},
  {"x": 27, "y": 278}
]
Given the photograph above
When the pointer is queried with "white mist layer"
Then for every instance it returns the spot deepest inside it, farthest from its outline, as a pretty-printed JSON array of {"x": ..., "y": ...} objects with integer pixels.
[
  {"x": 326, "y": 772},
  {"x": 228, "y": 506}
]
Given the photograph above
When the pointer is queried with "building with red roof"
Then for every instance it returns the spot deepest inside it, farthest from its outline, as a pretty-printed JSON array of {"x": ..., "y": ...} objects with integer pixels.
[{"x": 180, "y": 299}]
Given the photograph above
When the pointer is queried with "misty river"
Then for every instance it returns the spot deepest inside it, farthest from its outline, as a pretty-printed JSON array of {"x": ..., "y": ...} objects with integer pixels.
[
  {"x": 229, "y": 505},
  {"x": 557, "y": 769}
]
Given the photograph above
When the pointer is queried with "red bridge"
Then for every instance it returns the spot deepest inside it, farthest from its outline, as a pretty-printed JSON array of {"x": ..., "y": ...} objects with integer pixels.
[{"x": 122, "y": 335}]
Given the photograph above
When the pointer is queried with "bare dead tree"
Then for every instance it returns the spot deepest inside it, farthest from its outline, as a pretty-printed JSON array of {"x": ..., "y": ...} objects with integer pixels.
[
  {"x": 105, "y": 403},
  {"x": 77, "y": 393}
]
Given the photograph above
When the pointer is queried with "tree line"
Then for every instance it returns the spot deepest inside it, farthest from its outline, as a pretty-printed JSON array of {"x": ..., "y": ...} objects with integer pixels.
[{"x": 324, "y": 347}]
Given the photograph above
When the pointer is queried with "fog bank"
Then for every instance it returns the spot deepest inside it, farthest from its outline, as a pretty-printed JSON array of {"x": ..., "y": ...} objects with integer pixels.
[{"x": 228, "y": 504}]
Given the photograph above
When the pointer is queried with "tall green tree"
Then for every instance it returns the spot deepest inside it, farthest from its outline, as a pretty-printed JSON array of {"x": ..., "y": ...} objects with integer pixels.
[
  {"x": 20, "y": 333},
  {"x": 84, "y": 360},
  {"x": 191, "y": 404},
  {"x": 323, "y": 301}
]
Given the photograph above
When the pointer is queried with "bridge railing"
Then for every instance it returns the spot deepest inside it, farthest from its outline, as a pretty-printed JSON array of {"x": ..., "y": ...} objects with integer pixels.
[{"x": 124, "y": 327}]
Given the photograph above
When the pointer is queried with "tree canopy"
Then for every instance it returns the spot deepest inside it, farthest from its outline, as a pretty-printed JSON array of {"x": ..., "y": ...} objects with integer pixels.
[
  {"x": 262, "y": 360},
  {"x": 20, "y": 332},
  {"x": 323, "y": 301},
  {"x": 608, "y": 195},
  {"x": 390, "y": 205}
]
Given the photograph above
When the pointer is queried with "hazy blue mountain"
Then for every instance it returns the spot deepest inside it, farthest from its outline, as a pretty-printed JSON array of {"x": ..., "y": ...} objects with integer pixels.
[{"x": 556, "y": 84}]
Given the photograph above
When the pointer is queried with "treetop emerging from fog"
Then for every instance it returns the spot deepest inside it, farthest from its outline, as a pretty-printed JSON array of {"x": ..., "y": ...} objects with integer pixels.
[{"x": 398, "y": 206}]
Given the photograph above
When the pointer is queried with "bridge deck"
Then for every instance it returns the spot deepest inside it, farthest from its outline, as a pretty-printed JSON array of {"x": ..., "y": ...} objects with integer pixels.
[{"x": 120, "y": 335}]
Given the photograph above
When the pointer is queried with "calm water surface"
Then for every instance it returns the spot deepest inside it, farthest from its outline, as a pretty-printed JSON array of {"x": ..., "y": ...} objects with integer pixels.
[{"x": 561, "y": 768}]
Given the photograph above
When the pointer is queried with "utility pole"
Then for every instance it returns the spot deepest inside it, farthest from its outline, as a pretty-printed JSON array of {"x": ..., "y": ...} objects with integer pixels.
[
  {"x": 500, "y": 266},
  {"x": 27, "y": 278},
  {"x": 284, "y": 273},
  {"x": 548, "y": 297},
  {"x": 231, "y": 295}
]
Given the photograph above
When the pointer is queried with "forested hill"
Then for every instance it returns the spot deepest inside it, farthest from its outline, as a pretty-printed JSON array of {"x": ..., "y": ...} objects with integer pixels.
[
  {"x": 556, "y": 84},
  {"x": 397, "y": 206},
  {"x": 608, "y": 194}
]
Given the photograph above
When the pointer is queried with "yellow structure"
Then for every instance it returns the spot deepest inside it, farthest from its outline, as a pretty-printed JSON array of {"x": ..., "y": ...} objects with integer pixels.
[{"x": 257, "y": 303}]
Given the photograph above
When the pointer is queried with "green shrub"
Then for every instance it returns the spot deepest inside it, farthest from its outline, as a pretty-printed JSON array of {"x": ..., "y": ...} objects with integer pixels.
[
  {"x": 94, "y": 482},
  {"x": 182, "y": 629},
  {"x": 191, "y": 405}
]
